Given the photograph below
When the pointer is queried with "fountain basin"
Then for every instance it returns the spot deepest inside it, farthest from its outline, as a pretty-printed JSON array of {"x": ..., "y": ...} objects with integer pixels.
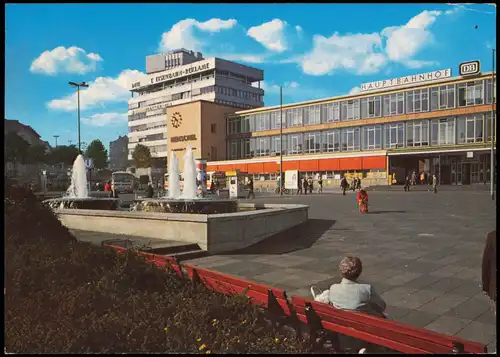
[
  {"x": 215, "y": 233},
  {"x": 197, "y": 206},
  {"x": 90, "y": 203}
]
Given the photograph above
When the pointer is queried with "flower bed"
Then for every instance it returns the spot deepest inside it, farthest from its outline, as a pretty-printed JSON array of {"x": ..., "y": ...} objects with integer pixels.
[{"x": 65, "y": 296}]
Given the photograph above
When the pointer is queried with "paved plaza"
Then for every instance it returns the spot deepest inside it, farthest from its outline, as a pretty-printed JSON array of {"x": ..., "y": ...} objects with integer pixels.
[{"x": 421, "y": 251}]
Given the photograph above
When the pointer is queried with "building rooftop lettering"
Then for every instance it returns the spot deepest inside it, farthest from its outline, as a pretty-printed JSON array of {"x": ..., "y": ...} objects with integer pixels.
[
  {"x": 381, "y": 87},
  {"x": 209, "y": 64}
]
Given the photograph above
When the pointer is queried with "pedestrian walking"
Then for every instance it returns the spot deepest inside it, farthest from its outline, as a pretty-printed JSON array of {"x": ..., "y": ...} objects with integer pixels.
[
  {"x": 353, "y": 184},
  {"x": 489, "y": 269},
  {"x": 407, "y": 184},
  {"x": 413, "y": 178},
  {"x": 250, "y": 188},
  {"x": 362, "y": 199},
  {"x": 304, "y": 185},
  {"x": 343, "y": 185},
  {"x": 320, "y": 185},
  {"x": 299, "y": 186},
  {"x": 310, "y": 184},
  {"x": 434, "y": 183}
]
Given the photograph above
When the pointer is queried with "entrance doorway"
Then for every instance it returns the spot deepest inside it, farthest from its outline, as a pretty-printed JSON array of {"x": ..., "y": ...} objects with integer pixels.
[{"x": 466, "y": 173}]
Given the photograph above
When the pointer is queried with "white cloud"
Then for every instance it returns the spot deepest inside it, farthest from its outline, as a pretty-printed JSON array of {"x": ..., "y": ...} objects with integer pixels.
[
  {"x": 369, "y": 53},
  {"x": 69, "y": 60},
  {"x": 249, "y": 58},
  {"x": 182, "y": 35},
  {"x": 405, "y": 41},
  {"x": 270, "y": 34},
  {"x": 100, "y": 91},
  {"x": 467, "y": 8},
  {"x": 275, "y": 88},
  {"x": 105, "y": 119},
  {"x": 355, "y": 90},
  {"x": 352, "y": 52}
]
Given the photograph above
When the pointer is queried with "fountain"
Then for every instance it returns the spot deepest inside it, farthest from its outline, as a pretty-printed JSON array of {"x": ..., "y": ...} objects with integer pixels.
[
  {"x": 190, "y": 187},
  {"x": 214, "y": 225},
  {"x": 173, "y": 177},
  {"x": 189, "y": 201},
  {"x": 77, "y": 195}
]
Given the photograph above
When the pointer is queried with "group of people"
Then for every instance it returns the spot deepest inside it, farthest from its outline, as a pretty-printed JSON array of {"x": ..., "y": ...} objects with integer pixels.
[
  {"x": 410, "y": 180},
  {"x": 305, "y": 185}
]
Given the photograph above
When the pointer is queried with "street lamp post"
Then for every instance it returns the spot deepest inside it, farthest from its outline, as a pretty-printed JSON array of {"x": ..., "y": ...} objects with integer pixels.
[
  {"x": 281, "y": 141},
  {"x": 492, "y": 158},
  {"x": 78, "y": 85}
]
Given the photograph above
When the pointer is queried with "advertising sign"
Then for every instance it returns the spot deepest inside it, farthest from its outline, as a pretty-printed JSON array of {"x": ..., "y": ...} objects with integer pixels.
[{"x": 291, "y": 179}]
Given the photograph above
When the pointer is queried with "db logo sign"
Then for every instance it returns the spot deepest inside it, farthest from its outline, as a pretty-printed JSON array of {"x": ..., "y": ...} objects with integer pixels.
[{"x": 469, "y": 68}]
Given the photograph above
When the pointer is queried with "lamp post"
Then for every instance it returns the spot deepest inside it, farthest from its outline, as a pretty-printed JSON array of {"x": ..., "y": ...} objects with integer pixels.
[
  {"x": 281, "y": 141},
  {"x": 78, "y": 85},
  {"x": 492, "y": 158}
]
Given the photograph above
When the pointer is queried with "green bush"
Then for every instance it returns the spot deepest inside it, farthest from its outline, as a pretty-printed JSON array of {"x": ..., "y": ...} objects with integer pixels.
[{"x": 65, "y": 296}]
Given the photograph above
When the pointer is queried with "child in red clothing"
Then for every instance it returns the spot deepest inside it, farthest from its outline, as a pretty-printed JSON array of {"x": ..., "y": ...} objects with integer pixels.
[{"x": 362, "y": 199}]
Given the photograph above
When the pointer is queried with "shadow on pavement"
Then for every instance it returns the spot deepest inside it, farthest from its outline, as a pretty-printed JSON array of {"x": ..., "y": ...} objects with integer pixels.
[
  {"x": 382, "y": 212},
  {"x": 296, "y": 238}
]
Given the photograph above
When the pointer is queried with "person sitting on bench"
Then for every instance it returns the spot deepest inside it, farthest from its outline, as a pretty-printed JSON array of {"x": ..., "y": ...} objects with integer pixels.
[{"x": 351, "y": 295}]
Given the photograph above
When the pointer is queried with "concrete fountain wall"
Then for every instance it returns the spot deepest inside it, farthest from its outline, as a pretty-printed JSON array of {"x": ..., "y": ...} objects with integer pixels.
[{"x": 215, "y": 233}]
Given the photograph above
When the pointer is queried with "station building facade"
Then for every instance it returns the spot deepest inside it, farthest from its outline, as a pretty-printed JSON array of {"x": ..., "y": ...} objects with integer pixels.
[{"x": 430, "y": 122}]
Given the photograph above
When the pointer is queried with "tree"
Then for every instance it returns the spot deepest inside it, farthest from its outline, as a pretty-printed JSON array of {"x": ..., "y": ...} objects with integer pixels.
[
  {"x": 36, "y": 154},
  {"x": 16, "y": 148},
  {"x": 142, "y": 156},
  {"x": 98, "y": 153},
  {"x": 63, "y": 155}
]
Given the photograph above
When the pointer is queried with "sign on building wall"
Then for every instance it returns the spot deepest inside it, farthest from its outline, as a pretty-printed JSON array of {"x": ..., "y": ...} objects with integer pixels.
[
  {"x": 178, "y": 72},
  {"x": 469, "y": 68},
  {"x": 414, "y": 79}
]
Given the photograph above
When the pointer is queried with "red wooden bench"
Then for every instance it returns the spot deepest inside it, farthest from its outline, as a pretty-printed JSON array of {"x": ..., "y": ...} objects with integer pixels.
[
  {"x": 272, "y": 299},
  {"x": 382, "y": 332},
  {"x": 161, "y": 261}
]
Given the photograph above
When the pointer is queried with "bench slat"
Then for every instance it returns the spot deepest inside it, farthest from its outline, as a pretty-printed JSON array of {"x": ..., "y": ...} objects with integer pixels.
[
  {"x": 237, "y": 281},
  {"x": 256, "y": 290},
  {"x": 401, "y": 328},
  {"x": 160, "y": 261},
  {"x": 361, "y": 331}
]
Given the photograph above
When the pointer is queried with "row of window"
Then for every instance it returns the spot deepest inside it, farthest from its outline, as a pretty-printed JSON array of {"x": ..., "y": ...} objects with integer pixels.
[
  {"x": 412, "y": 101},
  {"x": 436, "y": 132},
  {"x": 232, "y": 75},
  {"x": 138, "y": 116},
  {"x": 153, "y": 149},
  {"x": 234, "y": 104},
  {"x": 148, "y": 126}
]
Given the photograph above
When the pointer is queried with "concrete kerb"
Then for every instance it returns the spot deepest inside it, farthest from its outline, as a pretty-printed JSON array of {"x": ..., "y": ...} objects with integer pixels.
[{"x": 215, "y": 233}]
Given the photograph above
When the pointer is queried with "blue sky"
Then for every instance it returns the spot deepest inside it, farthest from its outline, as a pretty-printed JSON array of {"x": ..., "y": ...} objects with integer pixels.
[{"x": 315, "y": 50}]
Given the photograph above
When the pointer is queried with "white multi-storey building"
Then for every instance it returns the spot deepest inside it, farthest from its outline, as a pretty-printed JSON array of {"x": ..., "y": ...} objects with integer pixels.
[{"x": 180, "y": 77}]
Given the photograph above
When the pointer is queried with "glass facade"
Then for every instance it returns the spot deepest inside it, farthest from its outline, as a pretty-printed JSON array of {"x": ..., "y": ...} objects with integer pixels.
[{"x": 465, "y": 129}]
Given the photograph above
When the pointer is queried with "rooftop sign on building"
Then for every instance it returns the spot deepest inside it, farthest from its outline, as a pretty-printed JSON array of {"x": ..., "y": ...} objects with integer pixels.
[
  {"x": 177, "y": 72},
  {"x": 408, "y": 80}
]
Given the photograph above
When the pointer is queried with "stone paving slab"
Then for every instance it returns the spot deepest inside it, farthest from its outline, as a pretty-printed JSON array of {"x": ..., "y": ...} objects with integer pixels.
[{"x": 421, "y": 251}]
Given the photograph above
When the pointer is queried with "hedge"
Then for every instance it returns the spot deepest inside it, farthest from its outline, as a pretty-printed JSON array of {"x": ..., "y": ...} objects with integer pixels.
[{"x": 65, "y": 296}]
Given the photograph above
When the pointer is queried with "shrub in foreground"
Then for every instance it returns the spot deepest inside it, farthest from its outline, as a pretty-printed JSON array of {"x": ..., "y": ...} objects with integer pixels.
[{"x": 65, "y": 296}]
